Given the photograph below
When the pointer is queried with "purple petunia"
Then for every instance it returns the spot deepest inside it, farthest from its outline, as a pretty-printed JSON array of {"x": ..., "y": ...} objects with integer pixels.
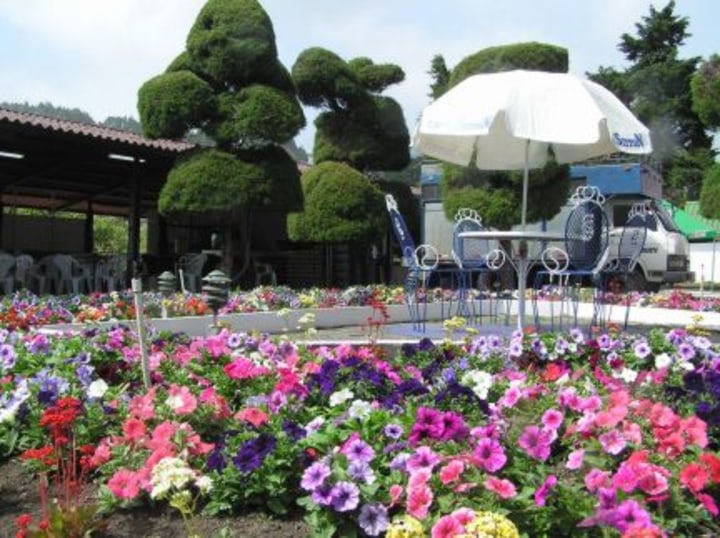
[
  {"x": 359, "y": 450},
  {"x": 393, "y": 431},
  {"x": 315, "y": 476},
  {"x": 7, "y": 357},
  {"x": 686, "y": 351},
  {"x": 345, "y": 496},
  {"x": 642, "y": 349},
  {"x": 361, "y": 471},
  {"x": 373, "y": 519}
]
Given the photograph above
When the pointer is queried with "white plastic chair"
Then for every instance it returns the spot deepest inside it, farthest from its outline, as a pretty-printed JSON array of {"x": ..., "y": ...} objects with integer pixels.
[
  {"x": 70, "y": 276},
  {"x": 40, "y": 274},
  {"x": 23, "y": 263},
  {"x": 191, "y": 266},
  {"x": 7, "y": 278},
  {"x": 110, "y": 273}
]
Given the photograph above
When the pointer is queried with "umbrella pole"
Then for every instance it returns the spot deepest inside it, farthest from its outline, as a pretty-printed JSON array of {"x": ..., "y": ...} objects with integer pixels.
[
  {"x": 526, "y": 179},
  {"x": 523, "y": 262}
]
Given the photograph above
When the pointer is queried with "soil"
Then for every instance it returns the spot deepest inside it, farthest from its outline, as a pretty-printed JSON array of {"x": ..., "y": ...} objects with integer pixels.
[{"x": 19, "y": 493}]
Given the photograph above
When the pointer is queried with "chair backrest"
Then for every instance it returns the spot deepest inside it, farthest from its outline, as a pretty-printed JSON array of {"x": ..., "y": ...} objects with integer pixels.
[
  {"x": 587, "y": 230},
  {"x": 23, "y": 262},
  {"x": 469, "y": 252},
  {"x": 633, "y": 238},
  {"x": 402, "y": 234},
  {"x": 7, "y": 262},
  {"x": 65, "y": 265}
]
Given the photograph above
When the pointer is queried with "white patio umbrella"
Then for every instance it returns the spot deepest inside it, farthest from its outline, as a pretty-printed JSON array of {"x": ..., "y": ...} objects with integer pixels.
[{"x": 509, "y": 120}]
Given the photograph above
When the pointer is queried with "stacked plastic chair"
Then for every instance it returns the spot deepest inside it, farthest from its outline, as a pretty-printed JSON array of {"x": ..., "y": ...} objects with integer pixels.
[
  {"x": 474, "y": 258},
  {"x": 580, "y": 261},
  {"x": 615, "y": 279},
  {"x": 420, "y": 262}
]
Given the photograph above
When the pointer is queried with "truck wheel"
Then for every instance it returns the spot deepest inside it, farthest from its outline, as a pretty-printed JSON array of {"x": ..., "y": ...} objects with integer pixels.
[{"x": 636, "y": 282}]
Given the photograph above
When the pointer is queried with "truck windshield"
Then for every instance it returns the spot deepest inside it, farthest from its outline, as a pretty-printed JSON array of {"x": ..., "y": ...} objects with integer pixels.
[{"x": 667, "y": 221}]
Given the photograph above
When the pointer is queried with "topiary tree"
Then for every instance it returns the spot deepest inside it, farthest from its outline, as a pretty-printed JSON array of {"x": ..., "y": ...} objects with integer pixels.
[
  {"x": 341, "y": 206},
  {"x": 230, "y": 86},
  {"x": 497, "y": 196},
  {"x": 358, "y": 127},
  {"x": 533, "y": 56}
]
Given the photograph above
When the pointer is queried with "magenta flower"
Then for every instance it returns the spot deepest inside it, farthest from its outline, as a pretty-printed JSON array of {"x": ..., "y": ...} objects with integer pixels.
[
  {"x": 629, "y": 514},
  {"x": 552, "y": 419},
  {"x": 542, "y": 492},
  {"x": 489, "y": 455},
  {"x": 535, "y": 442},
  {"x": 424, "y": 458}
]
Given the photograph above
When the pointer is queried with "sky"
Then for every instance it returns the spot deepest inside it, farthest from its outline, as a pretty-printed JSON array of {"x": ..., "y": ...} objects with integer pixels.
[{"x": 95, "y": 54}]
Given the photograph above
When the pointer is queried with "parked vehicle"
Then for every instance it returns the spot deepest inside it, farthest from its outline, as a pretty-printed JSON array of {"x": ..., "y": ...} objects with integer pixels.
[{"x": 665, "y": 258}]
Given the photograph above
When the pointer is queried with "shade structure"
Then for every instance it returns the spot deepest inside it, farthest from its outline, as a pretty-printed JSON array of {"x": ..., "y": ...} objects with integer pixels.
[
  {"x": 692, "y": 226},
  {"x": 510, "y": 121}
]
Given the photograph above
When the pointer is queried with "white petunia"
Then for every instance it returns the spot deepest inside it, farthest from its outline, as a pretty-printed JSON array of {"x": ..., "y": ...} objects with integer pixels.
[
  {"x": 663, "y": 360},
  {"x": 340, "y": 397},
  {"x": 97, "y": 389},
  {"x": 360, "y": 409}
]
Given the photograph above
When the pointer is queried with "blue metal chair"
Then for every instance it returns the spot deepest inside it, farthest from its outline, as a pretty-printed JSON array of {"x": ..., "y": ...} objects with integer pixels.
[
  {"x": 420, "y": 263},
  {"x": 585, "y": 254},
  {"x": 616, "y": 277},
  {"x": 475, "y": 258}
]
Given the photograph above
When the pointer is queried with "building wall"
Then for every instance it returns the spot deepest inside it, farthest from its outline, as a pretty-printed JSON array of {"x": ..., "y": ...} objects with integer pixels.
[{"x": 21, "y": 233}]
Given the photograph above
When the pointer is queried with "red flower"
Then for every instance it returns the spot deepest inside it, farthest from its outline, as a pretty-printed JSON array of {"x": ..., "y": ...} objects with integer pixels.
[
  {"x": 23, "y": 520},
  {"x": 694, "y": 477},
  {"x": 712, "y": 464},
  {"x": 43, "y": 454}
]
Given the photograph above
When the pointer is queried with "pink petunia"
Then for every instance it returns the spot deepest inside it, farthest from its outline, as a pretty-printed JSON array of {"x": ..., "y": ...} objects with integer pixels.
[
  {"x": 242, "y": 368},
  {"x": 535, "y": 442},
  {"x": 552, "y": 419},
  {"x": 124, "y": 484},
  {"x": 423, "y": 458},
  {"x": 396, "y": 491},
  {"x": 612, "y": 442},
  {"x": 452, "y": 471},
  {"x": 253, "y": 415},
  {"x": 142, "y": 407},
  {"x": 446, "y": 527},
  {"x": 419, "y": 501},
  {"x": 501, "y": 487},
  {"x": 489, "y": 455},
  {"x": 575, "y": 459},
  {"x": 463, "y": 515},
  {"x": 134, "y": 429},
  {"x": 542, "y": 492},
  {"x": 632, "y": 432},
  {"x": 595, "y": 478},
  {"x": 181, "y": 400}
]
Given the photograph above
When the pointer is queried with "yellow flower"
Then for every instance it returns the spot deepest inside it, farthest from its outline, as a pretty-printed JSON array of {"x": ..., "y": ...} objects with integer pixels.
[
  {"x": 490, "y": 525},
  {"x": 405, "y": 527}
]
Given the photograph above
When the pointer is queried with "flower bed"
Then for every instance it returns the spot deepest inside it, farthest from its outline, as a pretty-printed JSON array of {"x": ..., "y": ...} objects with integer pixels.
[
  {"x": 24, "y": 310},
  {"x": 550, "y": 435}
]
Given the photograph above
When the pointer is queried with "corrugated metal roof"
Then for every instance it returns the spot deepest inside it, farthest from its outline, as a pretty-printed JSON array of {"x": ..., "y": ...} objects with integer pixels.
[{"x": 92, "y": 131}]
